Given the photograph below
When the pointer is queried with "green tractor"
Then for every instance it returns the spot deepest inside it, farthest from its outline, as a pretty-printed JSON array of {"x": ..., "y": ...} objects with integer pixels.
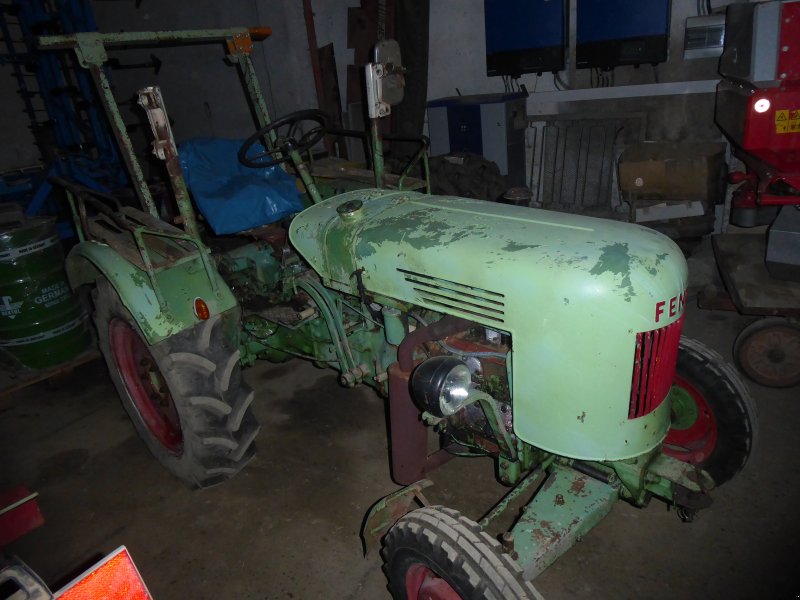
[{"x": 548, "y": 341}]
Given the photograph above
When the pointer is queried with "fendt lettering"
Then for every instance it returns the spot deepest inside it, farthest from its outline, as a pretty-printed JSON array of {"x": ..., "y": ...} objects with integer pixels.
[{"x": 676, "y": 306}]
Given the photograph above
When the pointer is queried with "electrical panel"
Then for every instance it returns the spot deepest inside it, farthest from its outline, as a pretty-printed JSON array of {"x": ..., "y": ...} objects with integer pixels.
[
  {"x": 704, "y": 36},
  {"x": 751, "y": 45},
  {"x": 524, "y": 36},
  {"x": 611, "y": 33}
]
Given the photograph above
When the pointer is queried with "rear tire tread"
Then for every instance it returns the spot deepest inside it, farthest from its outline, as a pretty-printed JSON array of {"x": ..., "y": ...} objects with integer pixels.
[
  {"x": 218, "y": 430},
  {"x": 213, "y": 405},
  {"x": 240, "y": 409}
]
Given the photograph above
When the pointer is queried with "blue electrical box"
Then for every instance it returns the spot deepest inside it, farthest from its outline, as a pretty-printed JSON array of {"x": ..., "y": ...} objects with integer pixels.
[
  {"x": 524, "y": 36},
  {"x": 490, "y": 125},
  {"x": 611, "y": 33}
]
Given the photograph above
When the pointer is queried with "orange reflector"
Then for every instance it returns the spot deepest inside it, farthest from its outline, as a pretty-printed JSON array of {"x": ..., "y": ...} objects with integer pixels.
[
  {"x": 113, "y": 578},
  {"x": 201, "y": 309},
  {"x": 259, "y": 33}
]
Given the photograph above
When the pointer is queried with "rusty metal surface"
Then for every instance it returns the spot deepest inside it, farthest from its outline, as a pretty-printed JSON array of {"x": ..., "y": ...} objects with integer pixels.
[
  {"x": 150, "y": 38},
  {"x": 533, "y": 479},
  {"x": 566, "y": 507},
  {"x": 390, "y": 509},
  {"x": 408, "y": 434},
  {"x": 123, "y": 139},
  {"x": 768, "y": 350},
  {"x": 740, "y": 257}
]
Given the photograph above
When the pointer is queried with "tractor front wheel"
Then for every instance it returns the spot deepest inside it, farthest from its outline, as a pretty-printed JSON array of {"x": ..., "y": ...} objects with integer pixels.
[
  {"x": 185, "y": 394},
  {"x": 714, "y": 419},
  {"x": 435, "y": 553}
]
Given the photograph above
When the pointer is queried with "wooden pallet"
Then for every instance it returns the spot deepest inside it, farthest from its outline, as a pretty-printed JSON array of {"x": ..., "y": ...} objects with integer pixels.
[
  {"x": 11, "y": 382},
  {"x": 752, "y": 289}
]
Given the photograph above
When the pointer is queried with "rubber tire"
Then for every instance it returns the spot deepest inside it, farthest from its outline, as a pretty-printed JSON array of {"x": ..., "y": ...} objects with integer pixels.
[
  {"x": 730, "y": 401},
  {"x": 739, "y": 348},
  {"x": 457, "y": 550},
  {"x": 203, "y": 375}
]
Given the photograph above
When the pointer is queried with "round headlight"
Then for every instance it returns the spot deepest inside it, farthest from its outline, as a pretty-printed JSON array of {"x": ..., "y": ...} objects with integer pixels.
[{"x": 440, "y": 385}]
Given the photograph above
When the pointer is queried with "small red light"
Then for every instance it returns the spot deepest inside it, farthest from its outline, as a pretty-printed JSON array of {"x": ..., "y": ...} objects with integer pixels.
[
  {"x": 201, "y": 309},
  {"x": 114, "y": 578},
  {"x": 762, "y": 105}
]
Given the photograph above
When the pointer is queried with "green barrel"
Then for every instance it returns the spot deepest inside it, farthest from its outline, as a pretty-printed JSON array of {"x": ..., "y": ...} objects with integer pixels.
[{"x": 42, "y": 323}]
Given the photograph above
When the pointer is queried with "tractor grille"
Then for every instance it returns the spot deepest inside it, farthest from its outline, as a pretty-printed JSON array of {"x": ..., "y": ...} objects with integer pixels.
[
  {"x": 653, "y": 368},
  {"x": 442, "y": 294}
]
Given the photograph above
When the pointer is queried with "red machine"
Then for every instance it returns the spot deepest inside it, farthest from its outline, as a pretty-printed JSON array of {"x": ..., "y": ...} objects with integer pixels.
[
  {"x": 758, "y": 109},
  {"x": 758, "y": 102}
]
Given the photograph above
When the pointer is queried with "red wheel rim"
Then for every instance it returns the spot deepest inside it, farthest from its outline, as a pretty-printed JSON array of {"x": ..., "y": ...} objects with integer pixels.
[
  {"x": 696, "y": 442},
  {"x": 423, "y": 584},
  {"x": 146, "y": 385}
]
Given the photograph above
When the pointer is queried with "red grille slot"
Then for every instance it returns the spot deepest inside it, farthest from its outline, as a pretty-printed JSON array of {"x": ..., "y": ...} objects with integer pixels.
[{"x": 653, "y": 368}]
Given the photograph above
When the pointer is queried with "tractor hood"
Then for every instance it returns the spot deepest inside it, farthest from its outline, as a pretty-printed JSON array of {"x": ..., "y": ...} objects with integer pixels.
[{"x": 572, "y": 291}]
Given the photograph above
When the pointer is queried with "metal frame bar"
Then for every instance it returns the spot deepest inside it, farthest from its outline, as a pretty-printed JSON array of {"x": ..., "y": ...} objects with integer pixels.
[{"x": 90, "y": 48}]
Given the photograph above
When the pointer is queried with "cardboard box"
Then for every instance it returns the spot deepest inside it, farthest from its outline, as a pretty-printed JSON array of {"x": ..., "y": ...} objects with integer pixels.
[{"x": 656, "y": 172}]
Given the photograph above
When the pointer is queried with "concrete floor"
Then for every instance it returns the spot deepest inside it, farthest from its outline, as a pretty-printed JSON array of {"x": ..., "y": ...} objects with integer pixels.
[{"x": 288, "y": 526}]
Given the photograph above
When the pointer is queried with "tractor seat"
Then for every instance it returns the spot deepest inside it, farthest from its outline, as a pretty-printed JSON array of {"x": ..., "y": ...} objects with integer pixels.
[{"x": 231, "y": 197}]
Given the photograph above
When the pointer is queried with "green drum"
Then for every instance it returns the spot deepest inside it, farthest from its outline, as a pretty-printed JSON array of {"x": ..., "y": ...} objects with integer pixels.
[{"x": 42, "y": 324}]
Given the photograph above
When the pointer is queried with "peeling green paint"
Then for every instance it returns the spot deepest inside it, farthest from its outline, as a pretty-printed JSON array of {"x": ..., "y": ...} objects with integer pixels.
[
  {"x": 615, "y": 259},
  {"x": 513, "y": 246},
  {"x": 139, "y": 279},
  {"x": 181, "y": 283},
  {"x": 421, "y": 228}
]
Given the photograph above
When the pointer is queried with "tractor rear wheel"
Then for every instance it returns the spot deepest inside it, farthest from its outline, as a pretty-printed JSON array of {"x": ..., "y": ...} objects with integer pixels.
[
  {"x": 436, "y": 553},
  {"x": 185, "y": 394},
  {"x": 714, "y": 419}
]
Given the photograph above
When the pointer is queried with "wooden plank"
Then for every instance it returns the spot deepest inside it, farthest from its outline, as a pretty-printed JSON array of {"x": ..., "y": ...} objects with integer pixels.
[
  {"x": 142, "y": 218},
  {"x": 362, "y": 30},
  {"x": 354, "y": 84},
  {"x": 329, "y": 99},
  {"x": 121, "y": 241},
  {"x": 365, "y": 176},
  {"x": 163, "y": 251},
  {"x": 316, "y": 71}
]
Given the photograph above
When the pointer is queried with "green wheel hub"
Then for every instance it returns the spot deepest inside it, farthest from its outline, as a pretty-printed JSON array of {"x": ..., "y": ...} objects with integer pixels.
[{"x": 684, "y": 408}]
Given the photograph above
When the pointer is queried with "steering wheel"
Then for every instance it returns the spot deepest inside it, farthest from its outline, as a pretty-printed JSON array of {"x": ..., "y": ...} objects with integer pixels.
[{"x": 285, "y": 141}]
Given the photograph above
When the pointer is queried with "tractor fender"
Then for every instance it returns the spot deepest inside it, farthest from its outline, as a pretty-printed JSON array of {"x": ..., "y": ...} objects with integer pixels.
[
  {"x": 179, "y": 285},
  {"x": 389, "y": 510}
]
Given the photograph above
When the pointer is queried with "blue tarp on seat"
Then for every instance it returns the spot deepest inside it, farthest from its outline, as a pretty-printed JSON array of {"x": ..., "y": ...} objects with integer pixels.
[{"x": 230, "y": 196}]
